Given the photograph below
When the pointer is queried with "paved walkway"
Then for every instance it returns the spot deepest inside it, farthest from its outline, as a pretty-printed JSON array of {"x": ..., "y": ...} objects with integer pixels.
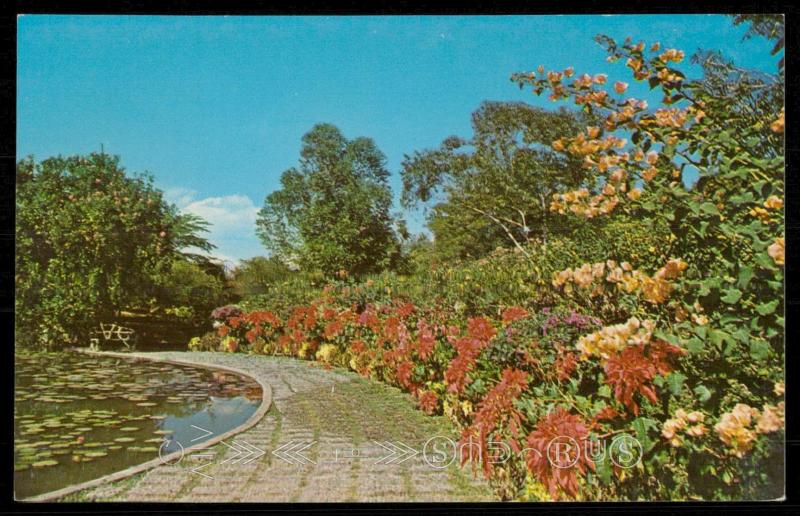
[{"x": 345, "y": 419}]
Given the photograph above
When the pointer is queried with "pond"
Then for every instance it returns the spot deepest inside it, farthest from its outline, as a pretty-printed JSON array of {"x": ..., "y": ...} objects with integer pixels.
[{"x": 78, "y": 417}]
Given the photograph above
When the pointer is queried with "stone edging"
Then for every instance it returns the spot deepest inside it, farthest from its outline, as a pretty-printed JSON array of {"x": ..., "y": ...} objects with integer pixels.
[{"x": 266, "y": 403}]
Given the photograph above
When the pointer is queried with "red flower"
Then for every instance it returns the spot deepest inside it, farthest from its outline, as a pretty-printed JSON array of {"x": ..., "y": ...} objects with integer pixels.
[
  {"x": 333, "y": 329},
  {"x": 514, "y": 313},
  {"x": 566, "y": 364},
  {"x": 405, "y": 309},
  {"x": 428, "y": 402},
  {"x": 404, "y": 371},
  {"x": 426, "y": 341},
  {"x": 468, "y": 348},
  {"x": 251, "y": 335},
  {"x": 223, "y": 330},
  {"x": 631, "y": 371},
  {"x": 358, "y": 347},
  {"x": 553, "y": 457},
  {"x": 456, "y": 374},
  {"x": 497, "y": 406},
  {"x": 480, "y": 329}
]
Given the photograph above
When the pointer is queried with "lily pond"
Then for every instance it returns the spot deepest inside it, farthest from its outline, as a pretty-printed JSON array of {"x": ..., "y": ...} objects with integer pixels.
[{"x": 78, "y": 417}]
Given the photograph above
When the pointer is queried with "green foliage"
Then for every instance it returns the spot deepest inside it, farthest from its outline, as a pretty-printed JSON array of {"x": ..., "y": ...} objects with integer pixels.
[
  {"x": 89, "y": 241},
  {"x": 187, "y": 284},
  {"x": 495, "y": 187},
  {"x": 258, "y": 275},
  {"x": 332, "y": 212}
]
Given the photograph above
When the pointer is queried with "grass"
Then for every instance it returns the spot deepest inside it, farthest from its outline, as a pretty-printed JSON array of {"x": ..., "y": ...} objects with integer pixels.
[{"x": 359, "y": 409}]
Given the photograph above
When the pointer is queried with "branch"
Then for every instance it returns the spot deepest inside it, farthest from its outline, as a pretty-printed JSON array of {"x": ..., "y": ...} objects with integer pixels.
[{"x": 505, "y": 228}]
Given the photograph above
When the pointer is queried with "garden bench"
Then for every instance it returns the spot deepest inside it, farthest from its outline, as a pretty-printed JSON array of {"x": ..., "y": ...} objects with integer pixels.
[{"x": 113, "y": 333}]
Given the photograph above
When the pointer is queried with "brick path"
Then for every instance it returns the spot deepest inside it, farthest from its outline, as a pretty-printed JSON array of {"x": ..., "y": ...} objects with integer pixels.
[{"x": 341, "y": 414}]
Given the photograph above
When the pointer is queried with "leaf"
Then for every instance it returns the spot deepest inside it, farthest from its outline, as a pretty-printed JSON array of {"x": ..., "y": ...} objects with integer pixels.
[
  {"x": 641, "y": 426},
  {"x": 759, "y": 349},
  {"x": 767, "y": 308},
  {"x": 694, "y": 345},
  {"x": 675, "y": 383},
  {"x": 709, "y": 208},
  {"x": 604, "y": 391},
  {"x": 745, "y": 275},
  {"x": 731, "y": 296},
  {"x": 702, "y": 392}
]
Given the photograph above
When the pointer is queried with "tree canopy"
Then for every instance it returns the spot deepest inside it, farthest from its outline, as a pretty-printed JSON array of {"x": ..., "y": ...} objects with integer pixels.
[
  {"x": 493, "y": 189},
  {"x": 90, "y": 240},
  {"x": 332, "y": 210}
]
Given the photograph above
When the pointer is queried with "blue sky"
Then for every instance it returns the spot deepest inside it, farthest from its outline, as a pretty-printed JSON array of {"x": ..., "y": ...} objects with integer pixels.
[{"x": 214, "y": 107}]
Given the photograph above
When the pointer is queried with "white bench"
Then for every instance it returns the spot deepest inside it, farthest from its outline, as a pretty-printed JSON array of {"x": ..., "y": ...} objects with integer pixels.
[{"x": 113, "y": 333}]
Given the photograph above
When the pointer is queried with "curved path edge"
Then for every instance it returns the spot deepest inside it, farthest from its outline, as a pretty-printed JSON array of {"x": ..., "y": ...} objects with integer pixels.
[{"x": 266, "y": 403}]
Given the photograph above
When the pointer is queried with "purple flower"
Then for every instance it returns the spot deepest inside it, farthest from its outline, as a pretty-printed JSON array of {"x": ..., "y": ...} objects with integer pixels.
[{"x": 223, "y": 313}]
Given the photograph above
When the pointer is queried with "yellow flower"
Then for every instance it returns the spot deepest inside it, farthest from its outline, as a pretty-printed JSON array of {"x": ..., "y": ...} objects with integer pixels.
[
  {"x": 649, "y": 174},
  {"x": 776, "y": 251},
  {"x": 695, "y": 417},
  {"x": 327, "y": 353},
  {"x": 774, "y": 202},
  {"x": 760, "y": 213},
  {"x": 671, "y": 428},
  {"x": 770, "y": 420},
  {"x": 733, "y": 430},
  {"x": 656, "y": 290},
  {"x": 779, "y": 389},
  {"x": 696, "y": 430},
  {"x": 671, "y": 54}
]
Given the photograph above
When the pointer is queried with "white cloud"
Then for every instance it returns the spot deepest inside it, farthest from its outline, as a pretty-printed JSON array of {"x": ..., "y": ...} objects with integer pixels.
[
  {"x": 179, "y": 196},
  {"x": 232, "y": 224}
]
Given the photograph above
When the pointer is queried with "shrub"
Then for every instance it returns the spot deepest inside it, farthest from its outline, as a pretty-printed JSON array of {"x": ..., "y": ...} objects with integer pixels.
[{"x": 209, "y": 341}]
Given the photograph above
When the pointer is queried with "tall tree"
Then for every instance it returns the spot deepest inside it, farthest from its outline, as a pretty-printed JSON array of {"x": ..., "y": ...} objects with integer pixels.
[
  {"x": 90, "y": 240},
  {"x": 332, "y": 211},
  {"x": 494, "y": 189}
]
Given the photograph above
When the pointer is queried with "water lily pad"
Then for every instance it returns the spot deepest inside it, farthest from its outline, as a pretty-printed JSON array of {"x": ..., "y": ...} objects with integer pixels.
[
  {"x": 124, "y": 440},
  {"x": 44, "y": 463},
  {"x": 146, "y": 404},
  {"x": 129, "y": 429},
  {"x": 96, "y": 454},
  {"x": 143, "y": 449}
]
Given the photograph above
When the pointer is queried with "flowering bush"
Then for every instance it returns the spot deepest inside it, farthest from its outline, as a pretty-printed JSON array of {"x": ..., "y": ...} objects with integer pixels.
[
  {"x": 223, "y": 313},
  {"x": 681, "y": 348}
]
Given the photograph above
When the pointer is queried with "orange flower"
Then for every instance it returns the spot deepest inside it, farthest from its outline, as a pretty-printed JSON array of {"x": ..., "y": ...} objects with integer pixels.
[
  {"x": 620, "y": 87},
  {"x": 513, "y": 313},
  {"x": 428, "y": 402},
  {"x": 778, "y": 125},
  {"x": 480, "y": 329},
  {"x": 776, "y": 251},
  {"x": 774, "y": 202}
]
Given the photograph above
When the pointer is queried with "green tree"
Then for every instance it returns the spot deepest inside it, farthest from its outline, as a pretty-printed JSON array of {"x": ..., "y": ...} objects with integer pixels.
[
  {"x": 494, "y": 188},
  {"x": 332, "y": 211},
  {"x": 188, "y": 284},
  {"x": 89, "y": 240},
  {"x": 257, "y": 275}
]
